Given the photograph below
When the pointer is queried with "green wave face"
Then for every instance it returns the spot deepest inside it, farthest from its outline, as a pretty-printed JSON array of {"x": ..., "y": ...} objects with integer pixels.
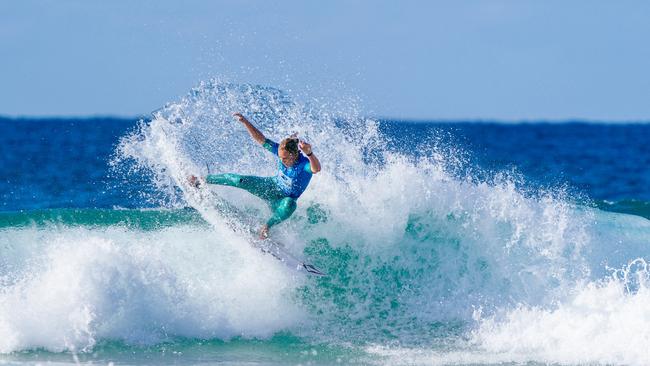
[
  {"x": 133, "y": 219},
  {"x": 281, "y": 349},
  {"x": 631, "y": 207}
]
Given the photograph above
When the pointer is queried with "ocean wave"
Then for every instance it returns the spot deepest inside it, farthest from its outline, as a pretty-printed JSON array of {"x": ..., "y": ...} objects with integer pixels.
[
  {"x": 419, "y": 256},
  {"x": 67, "y": 288}
]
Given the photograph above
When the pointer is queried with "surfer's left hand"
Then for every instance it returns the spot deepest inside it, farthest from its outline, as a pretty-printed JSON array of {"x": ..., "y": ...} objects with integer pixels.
[{"x": 305, "y": 147}]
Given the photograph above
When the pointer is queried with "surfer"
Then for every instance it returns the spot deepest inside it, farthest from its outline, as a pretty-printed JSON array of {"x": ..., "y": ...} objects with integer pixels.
[{"x": 282, "y": 190}]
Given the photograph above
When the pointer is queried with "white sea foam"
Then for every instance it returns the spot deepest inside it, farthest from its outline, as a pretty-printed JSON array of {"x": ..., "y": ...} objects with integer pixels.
[
  {"x": 604, "y": 322},
  {"x": 78, "y": 286}
]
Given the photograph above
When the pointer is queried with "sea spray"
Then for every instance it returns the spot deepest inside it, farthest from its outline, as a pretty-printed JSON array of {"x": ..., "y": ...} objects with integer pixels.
[
  {"x": 425, "y": 257},
  {"x": 420, "y": 246}
]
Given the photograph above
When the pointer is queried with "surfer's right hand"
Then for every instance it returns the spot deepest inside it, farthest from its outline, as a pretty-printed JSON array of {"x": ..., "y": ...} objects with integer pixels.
[
  {"x": 240, "y": 117},
  {"x": 194, "y": 181}
]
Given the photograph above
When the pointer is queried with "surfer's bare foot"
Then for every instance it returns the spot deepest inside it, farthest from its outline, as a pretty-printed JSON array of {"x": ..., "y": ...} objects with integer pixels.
[
  {"x": 194, "y": 181},
  {"x": 264, "y": 232}
]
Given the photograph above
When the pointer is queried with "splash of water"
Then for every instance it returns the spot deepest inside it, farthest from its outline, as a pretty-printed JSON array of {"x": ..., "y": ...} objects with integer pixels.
[
  {"x": 418, "y": 254},
  {"x": 406, "y": 240}
]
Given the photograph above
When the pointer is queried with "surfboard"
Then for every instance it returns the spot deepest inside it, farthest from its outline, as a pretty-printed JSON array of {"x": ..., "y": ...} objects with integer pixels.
[
  {"x": 247, "y": 225},
  {"x": 279, "y": 252}
]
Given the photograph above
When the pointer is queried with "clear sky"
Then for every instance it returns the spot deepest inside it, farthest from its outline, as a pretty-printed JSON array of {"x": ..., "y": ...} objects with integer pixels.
[{"x": 487, "y": 59}]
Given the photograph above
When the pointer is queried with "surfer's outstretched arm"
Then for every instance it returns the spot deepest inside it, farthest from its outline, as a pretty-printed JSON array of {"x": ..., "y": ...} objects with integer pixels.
[{"x": 252, "y": 130}]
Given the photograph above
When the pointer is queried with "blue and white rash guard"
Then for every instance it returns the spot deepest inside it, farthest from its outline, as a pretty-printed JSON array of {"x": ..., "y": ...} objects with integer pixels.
[{"x": 292, "y": 180}]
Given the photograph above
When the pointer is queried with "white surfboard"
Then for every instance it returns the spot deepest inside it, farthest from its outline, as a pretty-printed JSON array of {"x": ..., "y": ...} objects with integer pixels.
[{"x": 246, "y": 224}]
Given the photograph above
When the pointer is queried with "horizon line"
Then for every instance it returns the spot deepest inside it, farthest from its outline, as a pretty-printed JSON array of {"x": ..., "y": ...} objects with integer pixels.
[{"x": 474, "y": 120}]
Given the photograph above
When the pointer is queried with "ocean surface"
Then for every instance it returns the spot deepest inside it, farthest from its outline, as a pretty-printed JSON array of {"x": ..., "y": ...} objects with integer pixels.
[{"x": 468, "y": 243}]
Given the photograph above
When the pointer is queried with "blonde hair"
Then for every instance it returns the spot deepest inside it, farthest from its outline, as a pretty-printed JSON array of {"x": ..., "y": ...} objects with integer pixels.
[{"x": 290, "y": 144}]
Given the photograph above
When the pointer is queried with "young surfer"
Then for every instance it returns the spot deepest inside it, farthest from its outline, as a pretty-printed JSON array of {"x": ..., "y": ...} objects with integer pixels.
[{"x": 282, "y": 190}]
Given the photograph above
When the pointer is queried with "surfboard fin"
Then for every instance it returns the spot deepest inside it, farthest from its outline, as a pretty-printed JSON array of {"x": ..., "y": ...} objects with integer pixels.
[{"x": 313, "y": 270}]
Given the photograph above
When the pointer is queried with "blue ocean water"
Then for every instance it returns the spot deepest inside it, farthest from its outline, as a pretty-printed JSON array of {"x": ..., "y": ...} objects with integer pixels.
[
  {"x": 63, "y": 163},
  {"x": 444, "y": 243}
]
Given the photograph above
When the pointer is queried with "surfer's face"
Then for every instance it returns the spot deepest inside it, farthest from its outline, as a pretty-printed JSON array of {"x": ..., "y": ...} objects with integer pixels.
[{"x": 287, "y": 158}]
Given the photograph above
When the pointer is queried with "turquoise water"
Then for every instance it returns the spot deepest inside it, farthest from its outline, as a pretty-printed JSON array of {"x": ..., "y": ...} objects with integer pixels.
[
  {"x": 434, "y": 255},
  {"x": 282, "y": 349}
]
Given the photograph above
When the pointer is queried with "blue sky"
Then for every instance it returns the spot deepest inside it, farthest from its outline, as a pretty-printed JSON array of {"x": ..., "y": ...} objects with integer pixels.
[{"x": 507, "y": 60}]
